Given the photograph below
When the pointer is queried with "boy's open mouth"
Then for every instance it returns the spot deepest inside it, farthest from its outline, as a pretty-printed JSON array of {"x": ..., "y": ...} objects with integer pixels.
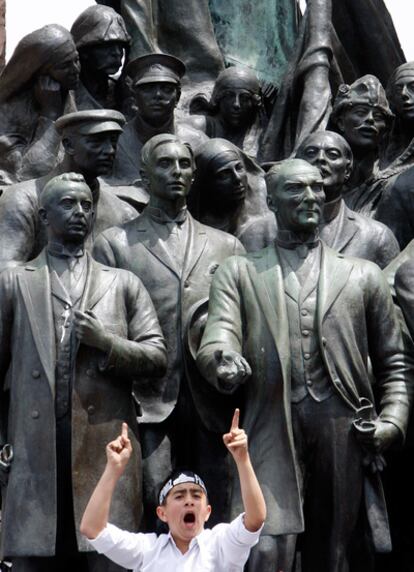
[{"x": 189, "y": 518}]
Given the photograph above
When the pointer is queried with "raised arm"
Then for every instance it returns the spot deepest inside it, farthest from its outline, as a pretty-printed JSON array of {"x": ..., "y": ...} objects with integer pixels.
[
  {"x": 95, "y": 517},
  {"x": 253, "y": 500}
]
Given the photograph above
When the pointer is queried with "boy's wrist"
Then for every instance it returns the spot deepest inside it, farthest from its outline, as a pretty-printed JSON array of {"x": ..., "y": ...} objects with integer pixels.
[{"x": 112, "y": 473}]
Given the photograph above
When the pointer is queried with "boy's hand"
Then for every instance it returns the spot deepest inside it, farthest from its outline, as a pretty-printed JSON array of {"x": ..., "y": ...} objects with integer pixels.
[
  {"x": 236, "y": 439},
  {"x": 119, "y": 451}
]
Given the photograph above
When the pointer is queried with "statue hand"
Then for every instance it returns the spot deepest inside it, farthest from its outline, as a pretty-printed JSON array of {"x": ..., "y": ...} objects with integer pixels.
[
  {"x": 90, "y": 330},
  {"x": 382, "y": 438},
  {"x": 48, "y": 95},
  {"x": 236, "y": 439},
  {"x": 118, "y": 452},
  {"x": 232, "y": 370}
]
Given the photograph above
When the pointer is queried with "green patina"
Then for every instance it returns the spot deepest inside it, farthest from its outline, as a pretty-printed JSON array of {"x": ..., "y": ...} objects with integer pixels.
[{"x": 259, "y": 34}]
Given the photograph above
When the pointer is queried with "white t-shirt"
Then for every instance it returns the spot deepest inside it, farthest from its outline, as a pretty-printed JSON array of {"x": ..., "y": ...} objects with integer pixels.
[{"x": 224, "y": 548}]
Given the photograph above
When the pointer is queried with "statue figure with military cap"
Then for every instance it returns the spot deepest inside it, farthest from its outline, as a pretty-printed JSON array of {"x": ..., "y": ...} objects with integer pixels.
[
  {"x": 156, "y": 80},
  {"x": 36, "y": 87},
  {"x": 235, "y": 110},
  {"x": 229, "y": 193},
  {"x": 101, "y": 39},
  {"x": 344, "y": 230},
  {"x": 89, "y": 139},
  {"x": 74, "y": 337},
  {"x": 361, "y": 114},
  {"x": 297, "y": 324},
  {"x": 175, "y": 257}
]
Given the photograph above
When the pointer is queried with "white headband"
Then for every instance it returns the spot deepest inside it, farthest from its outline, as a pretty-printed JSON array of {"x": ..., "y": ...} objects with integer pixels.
[{"x": 187, "y": 477}]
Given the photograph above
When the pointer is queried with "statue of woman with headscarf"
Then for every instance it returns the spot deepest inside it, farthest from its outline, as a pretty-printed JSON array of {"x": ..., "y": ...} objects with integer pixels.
[
  {"x": 35, "y": 89},
  {"x": 229, "y": 193},
  {"x": 235, "y": 111}
]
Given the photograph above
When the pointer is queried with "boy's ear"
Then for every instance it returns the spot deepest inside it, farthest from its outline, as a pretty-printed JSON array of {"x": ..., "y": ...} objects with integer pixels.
[
  {"x": 161, "y": 513},
  {"x": 208, "y": 512}
]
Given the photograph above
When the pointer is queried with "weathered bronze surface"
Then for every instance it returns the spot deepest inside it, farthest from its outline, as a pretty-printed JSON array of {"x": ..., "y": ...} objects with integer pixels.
[{"x": 216, "y": 98}]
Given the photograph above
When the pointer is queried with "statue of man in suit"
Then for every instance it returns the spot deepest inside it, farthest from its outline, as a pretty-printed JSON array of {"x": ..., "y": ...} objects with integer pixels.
[
  {"x": 299, "y": 323},
  {"x": 74, "y": 334},
  {"x": 175, "y": 257},
  {"x": 344, "y": 230}
]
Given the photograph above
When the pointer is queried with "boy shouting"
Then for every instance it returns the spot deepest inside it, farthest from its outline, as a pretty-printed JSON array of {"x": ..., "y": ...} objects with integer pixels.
[{"x": 183, "y": 506}]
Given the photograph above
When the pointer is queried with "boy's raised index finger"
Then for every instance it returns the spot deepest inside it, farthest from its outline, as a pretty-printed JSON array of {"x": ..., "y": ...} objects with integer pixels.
[
  {"x": 124, "y": 432},
  {"x": 235, "y": 420}
]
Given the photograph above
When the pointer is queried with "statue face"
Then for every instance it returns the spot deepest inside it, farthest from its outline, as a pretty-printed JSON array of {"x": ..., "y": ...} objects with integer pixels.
[
  {"x": 105, "y": 58},
  {"x": 170, "y": 172},
  {"x": 362, "y": 125},
  {"x": 403, "y": 97},
  {"x": 237, "y": 108},
  {"x": 229, "y": 178},
  {"x": 68, "y": 214},
  {"x": 66, "y": 71},
  {"x": 93, "y": 154},
  {"x": 325, "y": 151},
  {"x": 297, "y": 197},
  {"x": 156, "y": 101}
]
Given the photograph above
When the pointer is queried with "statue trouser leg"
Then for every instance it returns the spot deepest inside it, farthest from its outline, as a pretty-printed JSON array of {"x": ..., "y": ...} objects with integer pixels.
[
  {"x": 165, "y": 445},
  {"x": 331, "y": 461},
  {"x": 157, "y": 465},
  {"x": 273, "y": 553},
  {"x": 213, "y": 463}
]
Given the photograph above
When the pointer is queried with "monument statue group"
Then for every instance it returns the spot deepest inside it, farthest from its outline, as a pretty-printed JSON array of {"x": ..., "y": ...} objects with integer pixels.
[{"x": 207, "y": 222}]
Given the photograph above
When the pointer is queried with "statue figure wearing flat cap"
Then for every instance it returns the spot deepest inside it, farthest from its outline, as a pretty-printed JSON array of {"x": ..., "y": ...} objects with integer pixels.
[
  {"x": 235, "y": 110},
  {"x": 229, "y": 193},
  {"x": 35, "y": 89},
  {"x": 361, "y": 114},
  {"x": 156, "y": 80},
  {"x": 297, "y": 324},
  {"x": 175, "y": 257},
  {"x": 346, "y": 231},
  {"x": 74, "y": 335},
  {"x": 89, "y": 139},
  {"x": 101, "y": 39}
]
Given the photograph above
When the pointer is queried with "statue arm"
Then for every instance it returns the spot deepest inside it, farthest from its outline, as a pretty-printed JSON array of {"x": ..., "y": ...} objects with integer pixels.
[
  {"x": 40, "y": 156},
  {"x": 144, "y": 353},
  {"x": 392, "y": 364},
  {"x": 18, "y": 226},
  {"x": 387, "y": 248},
  {"x": 223, "y": 332}
]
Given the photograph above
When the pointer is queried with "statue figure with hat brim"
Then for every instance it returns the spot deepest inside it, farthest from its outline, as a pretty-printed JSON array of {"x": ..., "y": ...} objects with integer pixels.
[
  {"x": 156, "y": 82},
  {"x": 89, "y": 139},
  {"x": 102, "y": 41}
]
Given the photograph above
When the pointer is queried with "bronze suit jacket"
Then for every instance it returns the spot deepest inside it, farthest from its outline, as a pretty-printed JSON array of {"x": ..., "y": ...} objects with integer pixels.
[
  {"x": 356, "y": 321},
  {"x": 176, "y": 295},
  {"x": 101, "y": 398},
  {"x": 360, "y": 236}
]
